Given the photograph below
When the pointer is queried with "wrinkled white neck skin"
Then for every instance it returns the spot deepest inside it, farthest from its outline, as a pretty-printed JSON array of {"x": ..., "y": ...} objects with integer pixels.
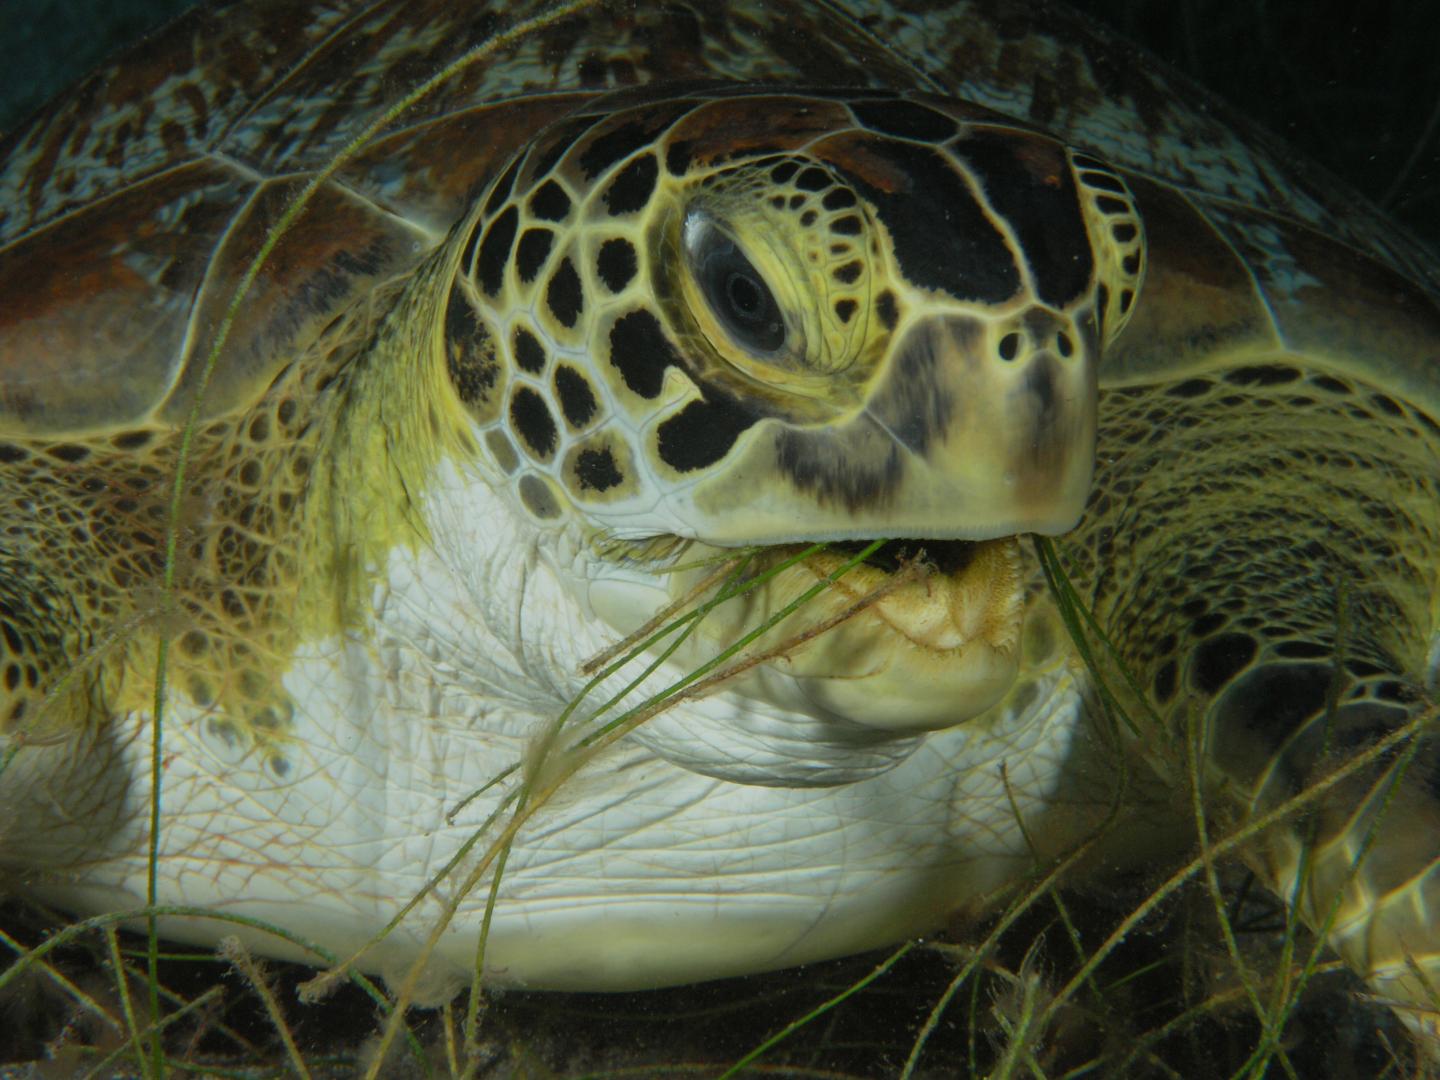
[{"x": 532, "y": 606}]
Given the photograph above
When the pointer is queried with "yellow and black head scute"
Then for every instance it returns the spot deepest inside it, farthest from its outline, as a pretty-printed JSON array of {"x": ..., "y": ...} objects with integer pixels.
[{"x": 753, "y": 317}]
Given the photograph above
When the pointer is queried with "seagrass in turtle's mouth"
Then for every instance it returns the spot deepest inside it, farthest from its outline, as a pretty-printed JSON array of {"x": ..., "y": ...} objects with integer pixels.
[{"x": 922, "y": 634}]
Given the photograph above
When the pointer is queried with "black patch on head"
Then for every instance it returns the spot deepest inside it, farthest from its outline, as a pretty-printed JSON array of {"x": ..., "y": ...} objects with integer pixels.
[
  {"x": 887, "y": 310},
  {"x": 677, "y": 158},
  {"x": 942, "y": 237},
  {"x": 631, "y": 189},
  {"x": 782, "y": 172},
  {"x": 531, "y": 419},
  {"x": 469, "y": 353},
  {"x": 839, "y": 199},
  {"x": 703, "y": 432},
  {"x": 550, "y": 203},
  {"x": 1124, "y": 232},
  {"x": 495, "y": 250},
  {"x": 596, "y": 470},
  {"x": 849, "y": 225},
  {"x": 616, "y": 264},
  {"x": 531, "y": 252},
  {"x": 904, "y": 120},
  {"x": 1043, "y": 208},
  {"x": 562, "y": 137},
  {"x": 577, "y": 400},
  {"x": 808, "y": 218},
  {"x": 1219, "y": 659},
  {"x": 529, "y": 353},
  {"x": 1109, "y": 205},
  {"x": 844, "y": 310},
  {"x": 1010, "y": 346},
  {"x": 564, "y": 295},
  {"x": 849, "y": 273},
  {"x": 641, "y": 352},
  {"x": 501, "y": 191}
]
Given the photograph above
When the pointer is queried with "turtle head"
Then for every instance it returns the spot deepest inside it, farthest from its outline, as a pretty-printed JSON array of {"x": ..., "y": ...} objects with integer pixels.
[{"x": 762, "y": 319}]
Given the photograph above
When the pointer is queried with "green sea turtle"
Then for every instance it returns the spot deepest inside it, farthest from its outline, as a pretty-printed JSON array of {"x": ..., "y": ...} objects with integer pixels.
[{"x": 484, "y": 337}]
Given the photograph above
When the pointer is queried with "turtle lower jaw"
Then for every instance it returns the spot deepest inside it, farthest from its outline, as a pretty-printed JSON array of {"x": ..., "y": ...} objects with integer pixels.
[{"x": 930, "y": 636}]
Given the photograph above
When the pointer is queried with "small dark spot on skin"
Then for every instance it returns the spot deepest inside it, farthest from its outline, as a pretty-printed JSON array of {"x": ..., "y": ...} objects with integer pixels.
[
  {"x": 502, "y": 450},
  {"x": 529, "y": 353},
  {"x": 782, "y": 173},
  {"x": 616, "y": 264},
  {"x": 777, "y": 201},
  {"x": 530, "y": 254},
  {"x": 1127, "y": 297},
  {"x": 595, "y": 470},
  {"x": 564, "y": 295},
  {"x": 1109, "y": 205},
  {"x": 812, "y": 179},
  {"x": 849, "y": 273},
  {"x": 69, "y": 452},
  {"x": 577, "y": 400},
  {"x": 1191, "y": 388},
  {"x": 677, "y": 158},
  {"x": 839, "y": 199},
  {"x": 1165, "y": 682},
  {"x": 538, "y": 498},
  {"x": 849, "y": 225},
  {"x": 1131, "y": 264},
  {"x": 1123, "y": 232},
  {"x": 1102, "y": 181},
  {"x": 1219, "y": 659},
  {"x": 808, "y": 218},
  {"x": 502, "y": 189},
  {"x": 286, "y": 412},
  {"x": 631, "y": 189},
  {"x": 1063, "y": 345},
  {"x": 550, "y": 203},
  {"x": 904, "y": 120},
  {"x": 844, "y": 309},
  {"x": 797, "y": 201},
  {"x": 1262, "y": 375},
  {"x": 9, "y": 453},
  {"x": 131, "y": 440},
  {"x": 1009, "y": 346},
  {"x": 640, "y": 351},
  {"x": 887, "y": 310},
  {"x": 1331, "y": 385},
  {"x": 495, "y": 250},
  {"x": 531, "y": 420}
]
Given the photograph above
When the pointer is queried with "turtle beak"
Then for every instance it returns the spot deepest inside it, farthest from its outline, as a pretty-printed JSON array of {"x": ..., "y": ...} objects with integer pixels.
[{"x": 1000, "y": 436}]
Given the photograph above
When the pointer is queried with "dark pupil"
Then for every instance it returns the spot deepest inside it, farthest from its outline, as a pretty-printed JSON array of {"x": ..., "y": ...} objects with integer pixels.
[
  {"x": 737, "y": 295},
  {"x": 746, "y": 296}
]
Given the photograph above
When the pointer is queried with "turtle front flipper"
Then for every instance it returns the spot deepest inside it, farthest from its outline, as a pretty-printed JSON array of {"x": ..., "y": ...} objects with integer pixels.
[{"x": 1261, "y": 552}]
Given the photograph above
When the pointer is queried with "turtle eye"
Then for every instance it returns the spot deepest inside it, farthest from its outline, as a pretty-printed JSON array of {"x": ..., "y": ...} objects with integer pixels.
[{"x": 737, "y": 295}]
